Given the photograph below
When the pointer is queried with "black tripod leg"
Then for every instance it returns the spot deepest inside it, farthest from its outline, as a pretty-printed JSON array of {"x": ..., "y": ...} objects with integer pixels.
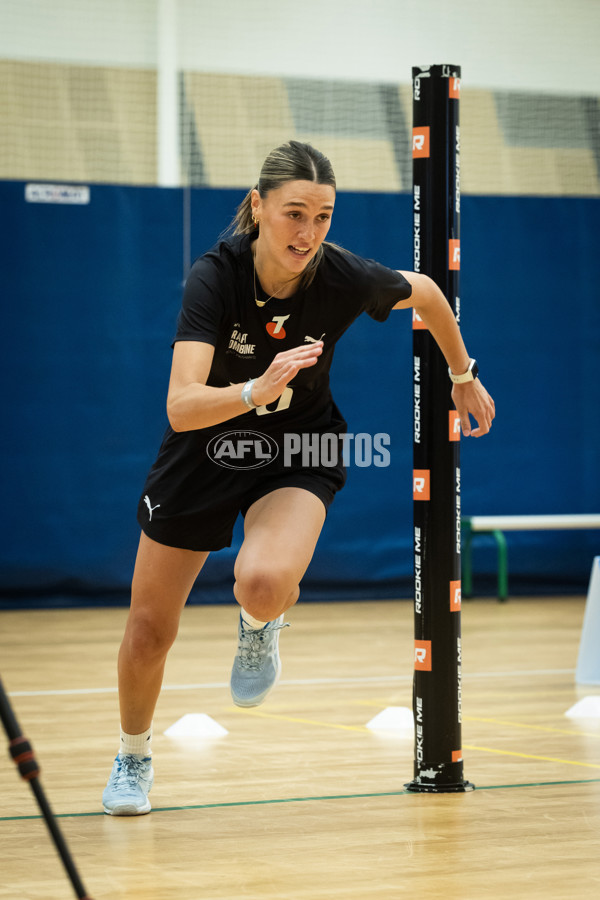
[{"x": 22, "y": 754}]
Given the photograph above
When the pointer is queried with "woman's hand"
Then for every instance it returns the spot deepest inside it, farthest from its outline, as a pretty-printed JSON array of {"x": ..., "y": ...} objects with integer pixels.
[
  {"x": 472, "y": 399},
  {"x": 285, "y": 366},
  {"x": 192, "y": 404}
]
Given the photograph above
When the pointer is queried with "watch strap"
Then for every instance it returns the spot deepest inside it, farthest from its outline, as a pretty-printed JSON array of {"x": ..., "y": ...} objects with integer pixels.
[
  {"x": 470, "y": 375},
  {"x": 247, "y": 394}
]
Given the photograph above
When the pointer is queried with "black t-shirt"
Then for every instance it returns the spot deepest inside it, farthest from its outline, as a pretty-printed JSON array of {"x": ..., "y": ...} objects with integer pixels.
[{"x": 219, "y": 309}]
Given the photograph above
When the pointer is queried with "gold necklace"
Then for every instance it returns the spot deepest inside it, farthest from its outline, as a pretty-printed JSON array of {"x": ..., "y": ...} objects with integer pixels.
[{"x": 264, "y": 302}]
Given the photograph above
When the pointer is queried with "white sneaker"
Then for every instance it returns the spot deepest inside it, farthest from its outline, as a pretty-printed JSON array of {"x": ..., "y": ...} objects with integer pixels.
[
  {"x": 126, "y": 793},
  {"x": 257, "y": 665}
]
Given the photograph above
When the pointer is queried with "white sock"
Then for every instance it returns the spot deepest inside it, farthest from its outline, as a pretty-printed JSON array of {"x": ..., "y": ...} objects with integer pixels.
[
  {"x": 251, "y": 621},
  {"x": 138, "y": 744}
]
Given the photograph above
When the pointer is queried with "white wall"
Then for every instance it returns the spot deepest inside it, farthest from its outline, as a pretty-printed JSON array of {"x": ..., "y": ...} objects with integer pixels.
[{"x": 540, "y": 45}]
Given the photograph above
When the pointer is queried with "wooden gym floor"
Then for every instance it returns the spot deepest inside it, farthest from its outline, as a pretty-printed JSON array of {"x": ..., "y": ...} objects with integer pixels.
[{"x": 300, "y": 801}]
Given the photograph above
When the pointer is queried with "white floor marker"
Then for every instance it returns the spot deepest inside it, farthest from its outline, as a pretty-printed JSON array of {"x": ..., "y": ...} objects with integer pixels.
[
  {"x": 195, "y": 725},
  {"x": 396, "y": 719}
]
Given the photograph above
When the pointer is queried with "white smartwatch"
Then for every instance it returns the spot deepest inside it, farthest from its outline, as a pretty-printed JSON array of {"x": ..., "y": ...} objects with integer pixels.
[
  {"x": 247, "y": 394},
  {"x": 470, "y": 375}
]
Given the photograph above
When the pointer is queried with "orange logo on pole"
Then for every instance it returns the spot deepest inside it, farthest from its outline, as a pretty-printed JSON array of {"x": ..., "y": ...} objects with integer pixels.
[
  {"x": 421, "y": 484},
  {"x": 417, "y": 321},
  {"x": 454, "y": 88},
  {"x": 454, "y": 425},
  {"x": 423, "y": 656},
  {"x": 457, "y": 756},
  {"x": 420, "y": 146},
  {"x": 453, "y": 254},
  {"x": 455, "y": 595}
]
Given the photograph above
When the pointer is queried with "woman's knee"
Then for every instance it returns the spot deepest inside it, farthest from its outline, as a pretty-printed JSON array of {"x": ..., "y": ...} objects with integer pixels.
[
  {"x": 148, "y": 638},
  {"x": 265, "y": 593}
]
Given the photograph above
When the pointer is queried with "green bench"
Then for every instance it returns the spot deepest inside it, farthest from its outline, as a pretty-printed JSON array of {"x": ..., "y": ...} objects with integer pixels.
[{"x": 497, "y": 525}]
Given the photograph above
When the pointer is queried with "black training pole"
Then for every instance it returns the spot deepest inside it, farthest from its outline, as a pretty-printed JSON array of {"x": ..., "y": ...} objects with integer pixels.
[
  {"x": 437, "y": 700},
  {"x": 22, "y": 753}
]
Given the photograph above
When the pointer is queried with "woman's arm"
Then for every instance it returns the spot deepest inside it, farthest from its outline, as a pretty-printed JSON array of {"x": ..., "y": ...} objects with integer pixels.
[
  {"x": 470, "y": 398},
  {"x": 192, "y": 404}
]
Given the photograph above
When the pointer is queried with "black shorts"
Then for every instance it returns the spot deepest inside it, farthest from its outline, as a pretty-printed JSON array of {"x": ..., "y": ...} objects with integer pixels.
[{"x": 202, "y": 516}]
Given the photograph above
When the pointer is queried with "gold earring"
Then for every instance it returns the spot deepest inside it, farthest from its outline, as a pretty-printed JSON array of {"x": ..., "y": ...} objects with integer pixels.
[{"x": 255, "y": 221}]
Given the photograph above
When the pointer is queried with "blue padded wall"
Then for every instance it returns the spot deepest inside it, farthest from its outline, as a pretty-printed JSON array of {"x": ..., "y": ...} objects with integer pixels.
[{"x": 89, "y": 300}]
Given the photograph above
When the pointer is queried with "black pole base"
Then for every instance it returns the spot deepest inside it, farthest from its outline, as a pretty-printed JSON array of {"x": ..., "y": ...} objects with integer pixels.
[{"x": 416, "y": 787}]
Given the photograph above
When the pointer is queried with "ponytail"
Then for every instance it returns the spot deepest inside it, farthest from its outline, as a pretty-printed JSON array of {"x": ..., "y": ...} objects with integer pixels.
[{"x": 242, "y": 223}]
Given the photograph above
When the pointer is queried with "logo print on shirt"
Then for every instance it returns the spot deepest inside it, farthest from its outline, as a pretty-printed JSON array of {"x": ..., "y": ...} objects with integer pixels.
[
  {"x": 311, "y": 340},
  {"x": 238, "y": 343},
  {"x": 275, "y": 327}
]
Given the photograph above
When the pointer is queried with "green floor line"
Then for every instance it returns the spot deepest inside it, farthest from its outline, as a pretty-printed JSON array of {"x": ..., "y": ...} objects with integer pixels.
[
  {"x": 273, "y": 802},
  {"x": 500, "y": 787}
]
